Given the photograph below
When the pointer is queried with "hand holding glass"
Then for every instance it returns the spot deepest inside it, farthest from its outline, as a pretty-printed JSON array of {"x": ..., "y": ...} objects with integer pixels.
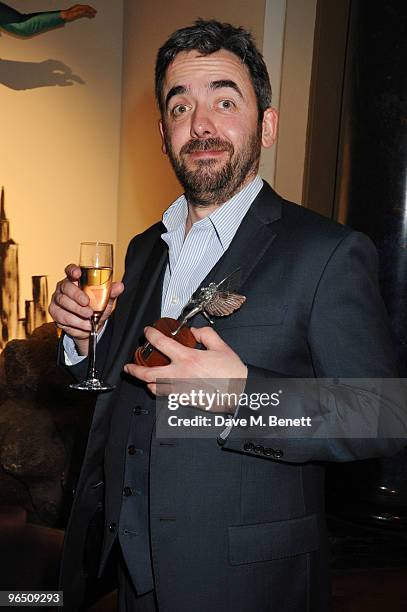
[{"x": 96, "y": 263}]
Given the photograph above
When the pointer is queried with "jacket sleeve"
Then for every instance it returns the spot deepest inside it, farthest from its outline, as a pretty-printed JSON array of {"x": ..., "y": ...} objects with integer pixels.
[{"x": 349, "y": 338}]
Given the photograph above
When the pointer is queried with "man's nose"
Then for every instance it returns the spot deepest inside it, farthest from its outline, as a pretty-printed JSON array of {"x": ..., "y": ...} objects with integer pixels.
[{"x": 202, "y": 124}]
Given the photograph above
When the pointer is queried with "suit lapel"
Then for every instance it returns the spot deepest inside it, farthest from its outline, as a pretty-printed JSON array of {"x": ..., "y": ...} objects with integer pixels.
[
  {"x": 251, "y": 240},
  {"x": 145, "y": 298}
]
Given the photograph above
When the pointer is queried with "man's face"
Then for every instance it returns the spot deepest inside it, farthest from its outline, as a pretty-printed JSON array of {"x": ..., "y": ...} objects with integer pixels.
[{"x": 210, "y": 125}]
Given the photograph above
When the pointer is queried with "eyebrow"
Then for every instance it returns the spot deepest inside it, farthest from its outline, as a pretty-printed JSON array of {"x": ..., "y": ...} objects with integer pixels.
[
  {"x": 174, "y": 91},
  {"x": 181, "y": 89},
  {"x": 225, "y": 83}
]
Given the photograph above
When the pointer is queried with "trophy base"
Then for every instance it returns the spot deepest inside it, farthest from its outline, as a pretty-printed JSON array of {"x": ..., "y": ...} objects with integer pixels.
[{"x": 149, "y": 356}]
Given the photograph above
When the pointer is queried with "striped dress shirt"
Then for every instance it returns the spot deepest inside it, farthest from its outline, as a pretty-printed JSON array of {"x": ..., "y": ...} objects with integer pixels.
[{"x": 191, "y": 257}]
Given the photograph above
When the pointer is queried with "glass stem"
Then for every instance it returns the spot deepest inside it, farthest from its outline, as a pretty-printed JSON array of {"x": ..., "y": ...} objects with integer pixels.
[{"x": 92, "y": 373}]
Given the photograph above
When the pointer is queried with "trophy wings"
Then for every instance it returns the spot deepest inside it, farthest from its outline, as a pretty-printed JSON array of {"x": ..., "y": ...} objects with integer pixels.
[{"x": 224, "y": 303}]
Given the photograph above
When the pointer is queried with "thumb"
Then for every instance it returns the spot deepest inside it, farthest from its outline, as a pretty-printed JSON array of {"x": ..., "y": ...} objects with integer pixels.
[
  {"x": 73, "y": 272},
  {"x": 209, "y": 338},
  {"x": 116, "y": 290}
]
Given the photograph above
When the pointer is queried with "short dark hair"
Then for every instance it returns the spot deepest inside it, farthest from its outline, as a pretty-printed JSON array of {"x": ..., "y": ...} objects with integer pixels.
[{"x": 208, "y": 37}]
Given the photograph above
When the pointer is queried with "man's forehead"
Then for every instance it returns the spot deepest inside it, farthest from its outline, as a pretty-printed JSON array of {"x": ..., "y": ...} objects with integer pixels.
[{"x": 191, "y": 65}]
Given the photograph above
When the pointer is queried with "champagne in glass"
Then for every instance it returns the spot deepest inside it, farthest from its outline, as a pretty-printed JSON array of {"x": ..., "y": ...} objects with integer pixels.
[
  {"x": 96, "y": 263},
  {"x": 96, "y": 283}
]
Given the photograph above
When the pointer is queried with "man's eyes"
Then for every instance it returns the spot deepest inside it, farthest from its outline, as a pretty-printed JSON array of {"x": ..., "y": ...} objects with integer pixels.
[
  {"x": 227, "y": 104},
  {"x": 180, "y": 109}
]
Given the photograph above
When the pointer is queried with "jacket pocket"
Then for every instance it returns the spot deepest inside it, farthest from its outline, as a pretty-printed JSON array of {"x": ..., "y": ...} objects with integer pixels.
[{"x": 268, "y": 541}]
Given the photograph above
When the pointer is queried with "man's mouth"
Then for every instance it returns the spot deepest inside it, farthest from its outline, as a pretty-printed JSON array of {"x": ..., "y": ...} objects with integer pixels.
[
  {"x": 210, "y": 149},
  {"x": 205, "y": 154}
]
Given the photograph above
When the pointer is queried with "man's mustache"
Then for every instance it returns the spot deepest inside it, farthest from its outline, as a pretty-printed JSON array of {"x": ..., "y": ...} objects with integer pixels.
[{"x": 206, "y": 144}]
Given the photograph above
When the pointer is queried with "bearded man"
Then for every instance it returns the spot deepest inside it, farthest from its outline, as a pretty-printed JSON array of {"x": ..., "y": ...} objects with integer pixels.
[{"x": 224, "y": 523}]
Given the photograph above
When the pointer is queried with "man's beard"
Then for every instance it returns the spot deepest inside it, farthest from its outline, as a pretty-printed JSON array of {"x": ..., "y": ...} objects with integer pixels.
[{"x": 205, "y": 185}]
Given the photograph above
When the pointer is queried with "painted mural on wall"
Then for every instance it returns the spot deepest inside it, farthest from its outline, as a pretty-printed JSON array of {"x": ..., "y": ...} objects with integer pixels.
[
  {"x": 48, "y": 134},
  {"x": 28, "y": 24},
  {"x": 12, "y": 324}
]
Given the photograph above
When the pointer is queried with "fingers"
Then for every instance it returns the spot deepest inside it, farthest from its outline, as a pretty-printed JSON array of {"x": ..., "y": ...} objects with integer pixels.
[
  {"x": 88, "y": 8},
  {"x": 68, "y": 314},
  {"x": 152, "y": 387},
  {"x": 171, "y": 348},
  {"x": 74, "y": 332},
  {"x": 209, "y": 338},
  {"x": 87, "y": 11},
  {"x": 73, "y": 272},
  {"x": 148, "y": 375},
  {"x": 70, "y": 297},
  {"x": 116, "y": 290},
  {"x": 65, "y": 319},
  {"x": 77, "y": 11},
  {"x": 69, "y": 305}
]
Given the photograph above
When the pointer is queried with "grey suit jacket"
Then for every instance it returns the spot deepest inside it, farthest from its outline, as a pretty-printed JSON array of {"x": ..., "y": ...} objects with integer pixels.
[{"x": 233, "y": 527}]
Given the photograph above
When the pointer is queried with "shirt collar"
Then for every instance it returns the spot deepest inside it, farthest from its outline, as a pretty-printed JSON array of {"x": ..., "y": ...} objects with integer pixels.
[{"x": 225, "y": 219}]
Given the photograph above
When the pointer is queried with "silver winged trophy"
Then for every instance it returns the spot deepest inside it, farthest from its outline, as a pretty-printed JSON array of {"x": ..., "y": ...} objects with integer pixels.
[{"x": 215, "y": 300}]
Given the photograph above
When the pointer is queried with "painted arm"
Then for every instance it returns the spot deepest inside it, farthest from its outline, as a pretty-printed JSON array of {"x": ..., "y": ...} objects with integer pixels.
[{"x": 35, "y": 23}]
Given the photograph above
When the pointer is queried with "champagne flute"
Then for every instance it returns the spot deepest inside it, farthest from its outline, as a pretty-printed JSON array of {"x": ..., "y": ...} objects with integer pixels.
[{"x": 96, "y": 263}]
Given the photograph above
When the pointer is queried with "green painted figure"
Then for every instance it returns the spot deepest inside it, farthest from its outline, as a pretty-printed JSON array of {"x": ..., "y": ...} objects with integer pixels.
[{"x": 35, "y": 23}]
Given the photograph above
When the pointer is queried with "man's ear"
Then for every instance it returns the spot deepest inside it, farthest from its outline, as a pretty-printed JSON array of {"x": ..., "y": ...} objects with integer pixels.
[
  {"x": 161, "y": 127},
  {"x": 269, "y": 127}
]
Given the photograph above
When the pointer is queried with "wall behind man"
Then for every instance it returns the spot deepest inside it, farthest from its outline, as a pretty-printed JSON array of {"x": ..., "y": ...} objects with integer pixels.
[
  {"x": 60, "y": 98},
  {"x": 294, "y": 97}
]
